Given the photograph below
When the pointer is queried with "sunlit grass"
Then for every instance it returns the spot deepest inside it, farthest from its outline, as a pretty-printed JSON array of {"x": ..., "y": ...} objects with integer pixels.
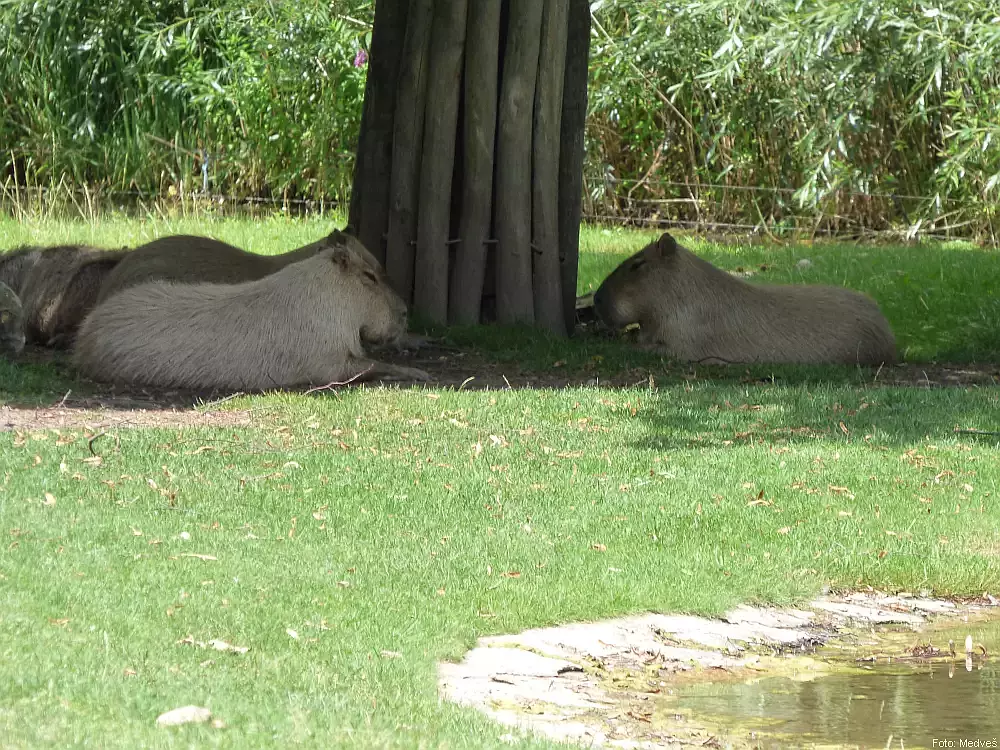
[{"x": 352, "y": 540}]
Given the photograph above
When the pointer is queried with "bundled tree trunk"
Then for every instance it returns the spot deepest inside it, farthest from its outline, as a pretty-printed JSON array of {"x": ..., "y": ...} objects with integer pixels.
[
  {"x": 369, "y": 194},
  {"x": 430, "y": 294},
  {"x": 407, "y": 141},
  {"x": 471, "y": 156},
  {"x": 545, "y": 187},
  {"x": 572, "y": 151},
  {"x": 482, "y": 60}
]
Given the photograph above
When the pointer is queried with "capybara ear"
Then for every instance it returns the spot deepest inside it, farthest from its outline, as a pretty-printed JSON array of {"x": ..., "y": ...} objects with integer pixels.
[
  {"x": 336, "y": 237},
  {"x": 341, "y": 256},
  {"x": 666, "y": 245}
]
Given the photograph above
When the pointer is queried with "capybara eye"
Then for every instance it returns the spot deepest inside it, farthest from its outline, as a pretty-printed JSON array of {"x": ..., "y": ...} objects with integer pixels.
[
  {"x": 636, "y": 265},
  {"x": 371, "y": 277}
]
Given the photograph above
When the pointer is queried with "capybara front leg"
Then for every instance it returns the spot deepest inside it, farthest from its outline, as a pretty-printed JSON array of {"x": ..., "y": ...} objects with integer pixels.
[{"x": 370, "y": 369}]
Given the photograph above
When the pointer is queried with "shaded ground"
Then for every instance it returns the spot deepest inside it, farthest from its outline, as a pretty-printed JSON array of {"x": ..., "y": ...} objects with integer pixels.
[{"x": 100, "y": 406}]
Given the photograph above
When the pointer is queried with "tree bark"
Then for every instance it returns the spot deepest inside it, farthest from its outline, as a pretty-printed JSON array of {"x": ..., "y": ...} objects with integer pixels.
[
  {"x": 482, "y": 57},
  {"x": 369, "y": 193},
  {"x": 408, "y": 137},
  {"x": 496, "y": 155},
  {"x": 430, "y": 297},
  {"x": 513, "y": 199},
  {"x": 571, "y": 154},
  {"x": 548, "y": 296}
]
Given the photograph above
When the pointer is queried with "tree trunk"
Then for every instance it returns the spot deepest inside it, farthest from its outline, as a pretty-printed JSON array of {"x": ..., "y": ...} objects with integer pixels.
[
  {"x": 430, "y": 294},
  {"x": 548, "y": 300},
  {"x": 515, "y": 303},
  {"x": 571, "y": 153},
  {"x": 369, "y": 195},
  {"x": 482, "y": 58},
  {"x": 516, "y": 168},
  {"x": 408, "y": 136}
]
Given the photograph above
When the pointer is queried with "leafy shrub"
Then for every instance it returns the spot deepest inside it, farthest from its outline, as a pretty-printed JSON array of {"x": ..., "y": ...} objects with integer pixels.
[
  {"x": 838, "y": 116},
  {"x": 136, "y": 94},
  {"x": 840, "y": 109}
]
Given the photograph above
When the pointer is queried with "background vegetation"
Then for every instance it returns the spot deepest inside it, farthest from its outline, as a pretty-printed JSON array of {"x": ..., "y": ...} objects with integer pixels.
[{"x": 843, "y": 116}]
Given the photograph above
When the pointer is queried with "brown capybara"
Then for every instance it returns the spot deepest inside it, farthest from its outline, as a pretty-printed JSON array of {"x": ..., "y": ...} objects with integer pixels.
[
  {"x": 193, "y": 259},
  {"x": 60, "y": 288},
  {"x": 301, "y": 325},
  {"x": 15, "y": 265},
  {"x": 11, "y": 322},
  {"x": 697, "y": 312}
]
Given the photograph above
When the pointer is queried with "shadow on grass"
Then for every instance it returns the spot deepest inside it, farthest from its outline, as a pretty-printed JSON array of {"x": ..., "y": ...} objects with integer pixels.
[
  {"x": 718, "y": 416},
  {"x": 502, "y": 358}
]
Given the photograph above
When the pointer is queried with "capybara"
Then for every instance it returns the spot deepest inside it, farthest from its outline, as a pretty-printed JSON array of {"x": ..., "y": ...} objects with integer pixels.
[
  {"x": 301, "y": 325},
  {"x": 194, "y": 259},
  {"x": 15, "y": 265},
  {"x": 60, "y": 288},
  {"x": 697, "y": 312},
  {"x": 11, "y": 322}
]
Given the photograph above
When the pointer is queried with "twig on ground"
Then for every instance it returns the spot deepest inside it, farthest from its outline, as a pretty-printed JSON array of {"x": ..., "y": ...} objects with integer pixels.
[
  {"x": 332, "y": 386},
  {"x": 62, "y": 401},
  {"x": 210, "y": 404},
  {"x": 90, "y": 443},
  {"x": 957, "y": 431}
]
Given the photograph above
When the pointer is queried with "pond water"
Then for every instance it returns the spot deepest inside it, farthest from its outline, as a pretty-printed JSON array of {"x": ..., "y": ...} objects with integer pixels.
[{"x": 934, "y": 703}]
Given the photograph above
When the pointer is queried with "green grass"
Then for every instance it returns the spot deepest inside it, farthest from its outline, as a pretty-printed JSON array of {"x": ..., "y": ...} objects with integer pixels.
[{"x": 384, "y": 520}]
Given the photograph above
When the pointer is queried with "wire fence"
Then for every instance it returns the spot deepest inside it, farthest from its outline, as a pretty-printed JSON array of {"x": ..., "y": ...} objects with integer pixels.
[{"x": 702, "y": 208}]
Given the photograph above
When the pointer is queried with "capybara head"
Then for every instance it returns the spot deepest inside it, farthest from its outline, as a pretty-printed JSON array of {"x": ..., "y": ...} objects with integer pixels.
[
  {"x": 345, "y": 239},
  {"x": 636, "y": 284},
  {"x": 383, "y": 312},
  {"x": 11, "y": 322}
]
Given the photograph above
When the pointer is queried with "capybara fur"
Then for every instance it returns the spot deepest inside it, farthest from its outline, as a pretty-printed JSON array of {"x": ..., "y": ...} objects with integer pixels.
[
  {"x": 300, "y": 325},
  {"x": 15, "y": 265},
  {"x": 11, "y": 322},
  {"x": 697, "y": 312},
  {"x": 61, "y": 287},
  {"x": 193, "y": 259}
]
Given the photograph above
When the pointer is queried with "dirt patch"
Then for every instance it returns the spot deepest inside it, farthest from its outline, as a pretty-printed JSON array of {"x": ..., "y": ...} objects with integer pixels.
[{"x": 103, "y": 417}]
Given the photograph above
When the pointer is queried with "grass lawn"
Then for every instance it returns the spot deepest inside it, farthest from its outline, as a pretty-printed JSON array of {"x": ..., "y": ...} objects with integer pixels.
[{"x": 352, "y": 540}]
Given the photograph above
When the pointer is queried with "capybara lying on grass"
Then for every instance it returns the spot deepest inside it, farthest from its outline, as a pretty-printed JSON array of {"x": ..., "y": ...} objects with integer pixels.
[
  {"x": 61, "y": 287},
  {"x": 697, "y": 312},
  {"x": 15, "y": 265},
  {"x": 300, "y": 325},
  {"x": 193, "y": 259},
  {"x": 57, "y": 286},
  {"x": 11, "y": 323}
]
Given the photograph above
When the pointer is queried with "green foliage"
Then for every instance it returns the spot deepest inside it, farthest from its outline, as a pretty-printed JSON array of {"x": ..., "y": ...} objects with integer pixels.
[
  {"x": 127, "y": 94},
  {"x": 840, "y": 110},
  {"x": 879, "y": 97}
]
